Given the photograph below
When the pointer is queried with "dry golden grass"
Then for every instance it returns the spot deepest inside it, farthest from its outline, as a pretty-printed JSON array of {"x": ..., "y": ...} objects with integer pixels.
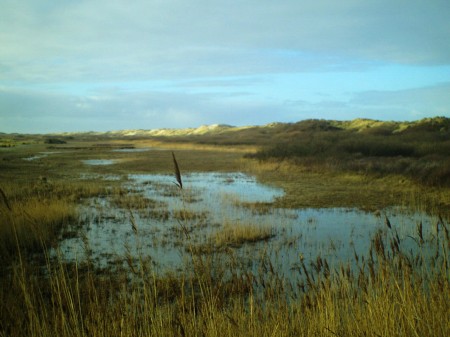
[
  {"x": 35, "y": 222},
  {"x": 190, "y": 145},
  {"x": 320, "y": 187},
  {"x": 134, "y": 201},
  {"x": 235, "y": 235},
  {"x": 36, "y": 213},
  {"x": 387, "y": 295}
]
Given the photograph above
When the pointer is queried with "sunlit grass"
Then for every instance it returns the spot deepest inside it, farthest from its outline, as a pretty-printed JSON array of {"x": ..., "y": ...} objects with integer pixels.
[
  {"x": 316, "y": 186},
  {"x": 34, "y": 222},
  {"x": 237, "y": 234},
  {"x": 385, "y": 294},
  {"x": 35, "y": 214}
]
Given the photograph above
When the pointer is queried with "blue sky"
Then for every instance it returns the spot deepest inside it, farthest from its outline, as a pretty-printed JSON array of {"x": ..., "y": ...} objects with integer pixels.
[{"x": 110, "y": 65}]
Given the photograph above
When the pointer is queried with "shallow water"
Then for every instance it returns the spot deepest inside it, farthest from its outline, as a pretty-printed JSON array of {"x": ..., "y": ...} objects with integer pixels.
[
  {"x": 210, "y": 201},
  {"x": 40, "y": 155},
  {"x": 139, "y": 149},
  {"x": 99, "y": 162}
]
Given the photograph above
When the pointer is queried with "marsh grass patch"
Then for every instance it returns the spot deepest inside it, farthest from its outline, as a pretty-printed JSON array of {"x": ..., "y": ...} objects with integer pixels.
[{"x": 236, "y": 235}]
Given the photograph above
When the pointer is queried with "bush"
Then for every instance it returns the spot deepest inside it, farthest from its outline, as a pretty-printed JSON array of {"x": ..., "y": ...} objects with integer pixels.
[
  {"x": 378, "y": 148},
  {"x": 55, "y": 141}
]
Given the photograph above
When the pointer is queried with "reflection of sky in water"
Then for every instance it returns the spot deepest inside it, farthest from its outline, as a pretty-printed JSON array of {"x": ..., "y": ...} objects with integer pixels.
[
  {"x": 334, "y": 233},
  {"x": 213, "y": 185},
  {"x": 40, "y": 155},
  {"x": 99, "y": 162},
  {"x": 139, "y": 149}
]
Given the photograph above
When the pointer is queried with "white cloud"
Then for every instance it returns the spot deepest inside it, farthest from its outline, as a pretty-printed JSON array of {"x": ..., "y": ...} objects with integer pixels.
[{"x": 106, "y": 40}]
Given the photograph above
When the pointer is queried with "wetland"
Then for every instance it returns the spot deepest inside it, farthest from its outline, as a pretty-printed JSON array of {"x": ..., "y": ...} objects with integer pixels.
[{"x": 97, "y": 229}]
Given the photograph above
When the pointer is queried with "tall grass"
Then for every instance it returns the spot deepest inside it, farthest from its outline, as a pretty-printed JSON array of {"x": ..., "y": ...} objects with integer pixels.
[
  {"x": 34, "y": 222},
  {"x": 388, "y": 292},
  {"x": 36, "y": 213}
]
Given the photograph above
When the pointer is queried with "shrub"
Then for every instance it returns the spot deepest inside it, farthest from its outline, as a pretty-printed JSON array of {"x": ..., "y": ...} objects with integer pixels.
[
  {"x": 54, "y": 141},
  {"x": 373, "y": 147}
]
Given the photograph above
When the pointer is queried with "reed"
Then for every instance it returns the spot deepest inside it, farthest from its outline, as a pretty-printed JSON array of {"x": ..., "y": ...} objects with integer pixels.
[
  {"x": 385, "y": 293},
  {"x": 35, "y": 222},
  {"x": 179, "y": 183}
]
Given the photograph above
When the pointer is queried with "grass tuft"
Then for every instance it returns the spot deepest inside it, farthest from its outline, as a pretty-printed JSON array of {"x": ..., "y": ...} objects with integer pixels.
[{"x": 235, "y": 235}]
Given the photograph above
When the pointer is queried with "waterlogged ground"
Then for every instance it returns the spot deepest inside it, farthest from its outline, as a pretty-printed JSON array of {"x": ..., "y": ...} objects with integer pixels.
[
  {"x": 99, "y": 162},
  {"x": 40, "y": 155},
  {"x": 156, "y": 220}
]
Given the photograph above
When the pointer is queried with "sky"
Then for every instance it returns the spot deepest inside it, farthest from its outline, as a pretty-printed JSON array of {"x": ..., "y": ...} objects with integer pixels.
[{"x": 99, "y": 65}]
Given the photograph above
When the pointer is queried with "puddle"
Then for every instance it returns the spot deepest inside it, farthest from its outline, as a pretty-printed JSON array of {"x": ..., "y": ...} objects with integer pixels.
[
  {"x": 208, "y": 203},
  {"x": 40, "y": 155},
  {"x": 141, "y": 149},
  {"x": 210, "y": 186},
  {"x": 99, "y": 162},
  {"x": 92, "y": 176}
]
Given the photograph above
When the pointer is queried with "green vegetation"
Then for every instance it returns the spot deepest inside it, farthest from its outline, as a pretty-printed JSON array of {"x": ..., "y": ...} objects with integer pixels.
[
  {"x": 55, "y": 141},
  {"x": 7, "y": 142},
  {"x": 418, "y": 152}
]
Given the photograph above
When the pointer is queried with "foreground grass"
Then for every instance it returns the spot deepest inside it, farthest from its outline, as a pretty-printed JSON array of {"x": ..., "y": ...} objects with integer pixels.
[
  {"x": 34, "y": 216},
  {"x": 387, "y": 293},
  {"x": 35, "y": 222}
]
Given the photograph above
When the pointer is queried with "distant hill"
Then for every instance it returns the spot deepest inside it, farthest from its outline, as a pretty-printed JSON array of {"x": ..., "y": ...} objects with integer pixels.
[
  {"x": 165, "y": 132},
  {"x": 370, "y": 126},
  {"x": 266, "y": 134},
  {"x": 201, "y": 130}
]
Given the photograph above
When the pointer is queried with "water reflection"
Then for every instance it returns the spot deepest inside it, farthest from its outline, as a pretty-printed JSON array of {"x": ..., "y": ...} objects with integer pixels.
[
  {"x": 99, "y": 162},
  {"x": 40, "y": 155},
  {"x": 210, "y": 201},
  {"x": 132, "y": 150}
]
